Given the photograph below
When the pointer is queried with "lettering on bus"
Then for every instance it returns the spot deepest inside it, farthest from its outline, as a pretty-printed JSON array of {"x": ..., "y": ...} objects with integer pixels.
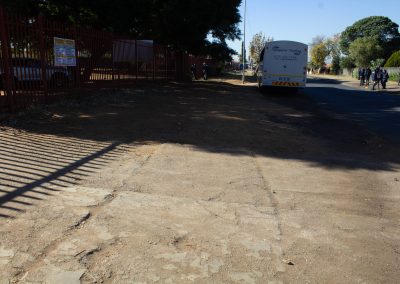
[
  {"x": 285, "y": 58},
  {"x": 295, "y": 52}
]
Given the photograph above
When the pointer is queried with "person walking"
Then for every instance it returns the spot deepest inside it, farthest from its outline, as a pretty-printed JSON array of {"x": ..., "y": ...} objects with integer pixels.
[
  {"x": 205, "y": 71},
  {"x": 193, "y": 69},
  {"x": 368, "y": 73},
  {"x": 385, "y": 78},
  {"x": 377, "y": 78},
  {"x": 362, "y": 77},
  {"x": 373, "y": 78}
]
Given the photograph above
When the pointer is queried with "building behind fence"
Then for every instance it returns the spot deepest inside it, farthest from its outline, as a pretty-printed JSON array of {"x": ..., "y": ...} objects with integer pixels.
[{"x": 41, "y": 60}]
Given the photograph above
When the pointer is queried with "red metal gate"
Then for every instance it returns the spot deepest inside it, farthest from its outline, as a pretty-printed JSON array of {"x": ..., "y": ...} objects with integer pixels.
[{"x": 28, "y": 72}]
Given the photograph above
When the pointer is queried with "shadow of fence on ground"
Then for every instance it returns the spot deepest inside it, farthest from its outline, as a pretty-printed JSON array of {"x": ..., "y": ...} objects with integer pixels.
[{"x": 33, "y": 167}]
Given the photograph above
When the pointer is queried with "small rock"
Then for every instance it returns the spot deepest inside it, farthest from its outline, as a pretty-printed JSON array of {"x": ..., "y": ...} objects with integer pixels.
[
  {"x": 396, "y": 179},
  {"x": 288, "y": 262}
]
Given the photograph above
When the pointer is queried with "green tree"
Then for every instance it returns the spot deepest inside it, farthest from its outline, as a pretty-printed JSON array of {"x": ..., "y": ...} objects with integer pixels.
[
  {"x": 347, "y": 63},
  {"x": 333, "y": 45},
  {"x": 377, "y": 62},
  {"x": 317, "y": 40},
  {"x": 219, "y": 51},
  {"x": 364, "y": 50},
  {"x": 394, "y": 60},
  {"x": 319, "y": 53},
  {"x": 257, "y": 44},
  {"x": 336, "y": 60},
  {"x": 184, "y": 25},
  {"x": 312, "y": 65},
  {"x": 381, "y": 28}
]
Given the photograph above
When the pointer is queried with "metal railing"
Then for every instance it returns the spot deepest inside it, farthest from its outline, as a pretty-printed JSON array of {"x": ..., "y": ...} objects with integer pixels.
[{"x": 30, "y": 70}]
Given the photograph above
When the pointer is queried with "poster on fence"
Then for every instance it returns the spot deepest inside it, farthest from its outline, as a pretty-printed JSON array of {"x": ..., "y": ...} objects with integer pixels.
[
  {"x": 64, "y": 52},
  {"x": 125, "y": 51}
]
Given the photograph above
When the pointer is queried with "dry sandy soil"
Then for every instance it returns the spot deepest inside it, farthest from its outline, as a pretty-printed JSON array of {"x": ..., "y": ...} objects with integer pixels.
[{"x": 207, "y": 182}]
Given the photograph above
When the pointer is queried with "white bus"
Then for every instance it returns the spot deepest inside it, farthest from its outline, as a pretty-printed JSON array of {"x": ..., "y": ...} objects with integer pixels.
[{"x": 283, "y": 64}]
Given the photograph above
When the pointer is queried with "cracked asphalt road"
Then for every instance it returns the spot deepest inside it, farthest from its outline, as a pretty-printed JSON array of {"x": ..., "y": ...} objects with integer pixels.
[{"x": 207, "y": 182}]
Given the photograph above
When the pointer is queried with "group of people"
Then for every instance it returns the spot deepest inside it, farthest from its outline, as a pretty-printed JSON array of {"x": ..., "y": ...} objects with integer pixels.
[
  {"x": 193, "y": 70},
  {"x": 378, "y": 77}
]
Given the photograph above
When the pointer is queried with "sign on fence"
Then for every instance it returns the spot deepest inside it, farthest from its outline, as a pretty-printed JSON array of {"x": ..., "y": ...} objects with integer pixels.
[
  {"x": 64, "y": 52},
  {"x": 125, "y": 51}
]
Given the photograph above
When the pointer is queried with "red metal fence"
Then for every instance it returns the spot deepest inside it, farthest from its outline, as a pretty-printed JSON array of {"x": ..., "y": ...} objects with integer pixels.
[{"x": 30, "y": 72}]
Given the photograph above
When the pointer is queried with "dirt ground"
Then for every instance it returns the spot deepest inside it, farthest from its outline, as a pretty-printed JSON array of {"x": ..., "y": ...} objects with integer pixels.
[{"x": 207, "y": 182}]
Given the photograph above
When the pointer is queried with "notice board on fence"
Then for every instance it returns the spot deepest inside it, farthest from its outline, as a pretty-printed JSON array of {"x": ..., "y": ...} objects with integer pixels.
[
  {"x": 125, "y": 51},
  {"x": 64, "y": 52}
]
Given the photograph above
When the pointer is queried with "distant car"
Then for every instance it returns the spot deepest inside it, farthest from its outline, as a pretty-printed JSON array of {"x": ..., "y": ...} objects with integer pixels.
[{"x": 30, "y": 70}]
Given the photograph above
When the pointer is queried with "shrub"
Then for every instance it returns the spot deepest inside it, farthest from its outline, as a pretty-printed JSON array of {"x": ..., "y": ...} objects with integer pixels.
[
  {"x": 377, "y": 63},
  {"x": 394, "y": 77},
  {"x": 394, "y": 60},
  {"x": 347, "y": 63}
]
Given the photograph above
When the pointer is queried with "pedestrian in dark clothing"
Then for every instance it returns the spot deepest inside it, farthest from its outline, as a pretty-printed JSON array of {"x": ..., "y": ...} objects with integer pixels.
[
  {"x": 362, "y": 77},
  {"x": 385, "y": 78},
  {"x": 193, "y": 69},
  {"x": 373, "y": 77},
  {"x": 368, "y": 72},
  {"x": 378, "y": 78},
  {"x": 359, "y": 73},
  {"x": 205, "y": 71}
]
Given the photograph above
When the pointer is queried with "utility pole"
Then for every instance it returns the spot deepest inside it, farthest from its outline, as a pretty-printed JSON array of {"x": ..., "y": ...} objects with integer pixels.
[{"x": 244, "y": 42}]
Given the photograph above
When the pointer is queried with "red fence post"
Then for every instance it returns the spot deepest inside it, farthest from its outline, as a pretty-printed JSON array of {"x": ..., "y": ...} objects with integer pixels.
[
  {"x": 181, "y": 67},
  {"x": 78, "y": 67},
  {"x": 185, "y": 66},
  {"x": 6, "y": 79},
  {"x": 154, "y": 62},
  {"x": 112, "y": 59},
  {"x": 178, "y": 66},
  {"x": 42, "y": 54},
  {"x": 136, "y": 59},
  {"x": 166, "y": 63}
]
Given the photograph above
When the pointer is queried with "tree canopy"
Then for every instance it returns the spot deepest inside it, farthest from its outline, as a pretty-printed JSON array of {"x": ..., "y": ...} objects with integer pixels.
[
  {"x": 257, "y": 44},
  {"x": 347, "y": 63},
  {"x": 183, "y": 24},
  {"x": 333, "y": 45},
  {"x": 317, "y": 40},
  {"x": 394, "y": 60},
  {"x": 319, "y": 52},
  {"x": 385, "y": 32},
  {"x": 364, "y": 50}
]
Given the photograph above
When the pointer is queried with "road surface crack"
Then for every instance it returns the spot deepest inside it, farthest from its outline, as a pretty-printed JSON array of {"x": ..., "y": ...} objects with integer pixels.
[{"x": 278, "y": 248}]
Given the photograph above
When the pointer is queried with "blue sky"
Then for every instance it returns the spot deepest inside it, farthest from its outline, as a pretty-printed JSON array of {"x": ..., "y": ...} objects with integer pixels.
[{"x": 301, "y": 20}]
